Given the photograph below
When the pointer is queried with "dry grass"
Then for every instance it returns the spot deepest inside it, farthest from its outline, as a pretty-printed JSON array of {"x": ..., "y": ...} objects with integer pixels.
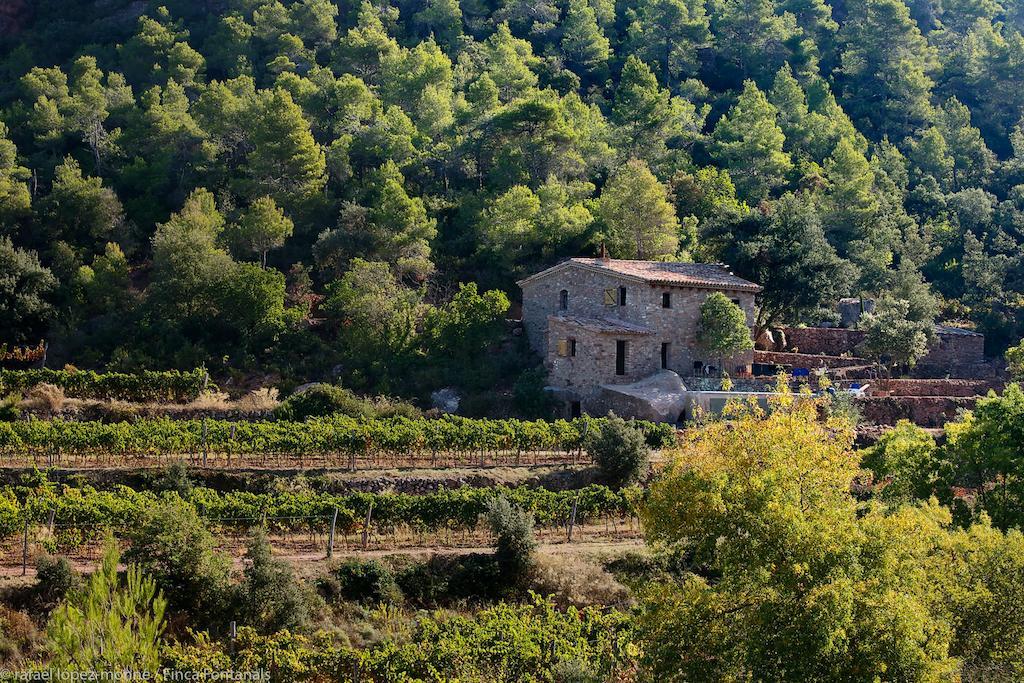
[
  {"x": 19, "y": 637},
  {"x": 45, "y": 398},
  {"x": 259, "y": 400},
  {"x": 211, "y": 400},
  {"x": 573, "y": 580}
]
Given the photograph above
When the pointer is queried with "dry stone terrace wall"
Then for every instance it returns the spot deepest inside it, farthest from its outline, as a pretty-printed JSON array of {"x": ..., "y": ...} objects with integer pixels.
[
  {"x": 924, "y": 411},
  {"x": 938, "y": 387},
  {"x": 951, "y": 353}
]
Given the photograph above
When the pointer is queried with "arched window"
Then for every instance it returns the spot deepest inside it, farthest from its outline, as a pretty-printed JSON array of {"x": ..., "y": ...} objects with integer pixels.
[{"x": 563, "y": 300}]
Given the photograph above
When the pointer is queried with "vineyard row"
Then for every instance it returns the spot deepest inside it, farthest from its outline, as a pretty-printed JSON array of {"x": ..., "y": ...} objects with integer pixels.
[
  {"x": 148, "y": 385},
  {"x": 78, "y": 515},
  {"x": 322, "y": 441}
]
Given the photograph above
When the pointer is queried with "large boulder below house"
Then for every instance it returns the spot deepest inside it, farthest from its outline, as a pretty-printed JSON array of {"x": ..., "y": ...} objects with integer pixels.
[{"x": 658, "y": 398}]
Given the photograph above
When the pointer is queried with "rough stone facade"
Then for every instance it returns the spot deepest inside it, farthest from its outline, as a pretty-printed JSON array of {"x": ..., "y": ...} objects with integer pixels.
[{"x": 569, "y": 307}]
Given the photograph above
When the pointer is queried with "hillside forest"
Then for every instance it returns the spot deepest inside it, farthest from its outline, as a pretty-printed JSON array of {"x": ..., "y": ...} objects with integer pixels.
[{"x": 352, "y": 189}]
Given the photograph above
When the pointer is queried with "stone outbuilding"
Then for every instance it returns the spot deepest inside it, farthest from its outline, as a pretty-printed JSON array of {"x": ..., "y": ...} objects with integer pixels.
[{"x": 601, "y": 321}]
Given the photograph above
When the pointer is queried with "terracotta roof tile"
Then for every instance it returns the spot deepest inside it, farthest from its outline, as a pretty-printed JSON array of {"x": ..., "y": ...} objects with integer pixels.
[{"x": 707, "y": 275}]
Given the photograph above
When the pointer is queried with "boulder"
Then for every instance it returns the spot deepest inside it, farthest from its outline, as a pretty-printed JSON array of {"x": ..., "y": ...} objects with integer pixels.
[
  {"x": 658, "y": 398},
  {"x": 446, "y": 400}
]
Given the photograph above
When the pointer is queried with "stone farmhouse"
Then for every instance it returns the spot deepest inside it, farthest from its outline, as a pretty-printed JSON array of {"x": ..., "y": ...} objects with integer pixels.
[{"x": 600, "y": 322}]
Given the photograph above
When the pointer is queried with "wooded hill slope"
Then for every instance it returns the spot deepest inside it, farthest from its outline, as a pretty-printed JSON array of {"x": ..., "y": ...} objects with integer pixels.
[{"x": 183, "y": 182}]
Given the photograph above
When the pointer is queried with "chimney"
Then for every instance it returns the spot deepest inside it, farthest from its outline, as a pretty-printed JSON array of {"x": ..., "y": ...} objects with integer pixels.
[{"x": 604, "y": 254}]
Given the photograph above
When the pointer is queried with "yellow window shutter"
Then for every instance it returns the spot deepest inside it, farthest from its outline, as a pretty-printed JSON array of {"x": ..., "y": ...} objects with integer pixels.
[
  {"x": 563, "y": 347},
  {"x": 610, "y": 297}
]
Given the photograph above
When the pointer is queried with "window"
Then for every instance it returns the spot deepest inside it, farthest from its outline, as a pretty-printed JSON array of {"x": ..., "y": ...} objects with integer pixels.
[
  {"x": 622, "y": 296},
  {"x": 620, "y": 356},
  {"x": 563, "y": 300},
  {"x": 666, "y": 349},
  {"x": 666, "y": 299},
  {"x": 610, "y": 297},
  {"x": 737, "y": 302},
  {"x": 566, "y": 348},
  {"x": 572, "y": 347},
  {"x": 575, "y": 410}
]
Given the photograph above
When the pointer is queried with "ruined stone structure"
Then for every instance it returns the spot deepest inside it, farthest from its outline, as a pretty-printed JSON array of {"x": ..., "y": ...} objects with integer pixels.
[{"x": 600, "y": 321}]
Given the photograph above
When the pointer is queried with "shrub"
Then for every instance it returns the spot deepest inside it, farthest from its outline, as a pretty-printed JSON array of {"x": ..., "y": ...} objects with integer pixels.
[
  {"x": 514, "y": 541},
  {"x": 175, "y": 478},
  {"x": 47, "y": 398},
  {"x": 19, "y": 637},
  {"x": 321, "y": 400},
  {"x": 172, "y": 544},
  {"x": 55, "y": 580},
  {"x": 270, "y": 597},
  {"x": 528, "y": 395},
  {"x": 445, "y": 579},
  {"x": 367, "y": 582},
  {"x": 906, "y": 453},
  {"x": 620, "y": 451},
  {"x": 10, "y": 408}
]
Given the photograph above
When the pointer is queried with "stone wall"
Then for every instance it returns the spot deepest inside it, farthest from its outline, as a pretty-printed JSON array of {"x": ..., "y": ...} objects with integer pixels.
[
  {"x": 925, "y": 411},
  {"x": 594, "y": 363},
  {"x": 951, "y": 352},
  {"x": 937, "y": 387},
  {"x": 806, "y": 360},
  {"x": 826, "y": 341},
  {"x": 595, "y": 360}
]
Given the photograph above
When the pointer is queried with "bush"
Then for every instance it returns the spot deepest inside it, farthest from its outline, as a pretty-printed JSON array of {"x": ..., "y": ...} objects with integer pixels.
[
  {"x": 906, "y": 454},
  {"x": 528, "y": 395},
  {"x": 620, "y": 451},
  {"x": 55, "y": 579},
  {"x": 10, "y": 408},
  {"x": 445, "y": 579},
  {"x": 173, "y": 546},
  {"x": 175, "y": 478},
  {"x": 514, "y": 541},
  {"x": 321, "y": 400},
  {"x": 270, "y": 597},
  {"x": 367, "y": 582}
]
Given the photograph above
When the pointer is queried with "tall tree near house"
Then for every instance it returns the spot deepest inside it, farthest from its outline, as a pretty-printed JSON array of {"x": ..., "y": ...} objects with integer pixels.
[
  {"x": 722, "y": 329},
  {"x": 889, "y": 334},
  {"x": 786, "y": 250},
  {"x": 639, "y": 221}
]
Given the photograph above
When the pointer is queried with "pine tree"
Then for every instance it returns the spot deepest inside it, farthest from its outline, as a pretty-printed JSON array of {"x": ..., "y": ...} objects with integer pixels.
[
  {"x": 851, "y": 203},
  {"x": 113, "y": 625},
  {"x": 583, "y": 42},
  {"x": 749, "y": 142},
  {"x": 648, "y": 118},
  {"x": 885, "y": 65},
  {"x": 638, "y": 220},
  {"x": 286, "y": 163},
  {"x": 262, "y": 227},
  {"x": 15, "y": 200},
  {"x": 973, "y": 162},
  {"x": 668, "y": 33}
]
